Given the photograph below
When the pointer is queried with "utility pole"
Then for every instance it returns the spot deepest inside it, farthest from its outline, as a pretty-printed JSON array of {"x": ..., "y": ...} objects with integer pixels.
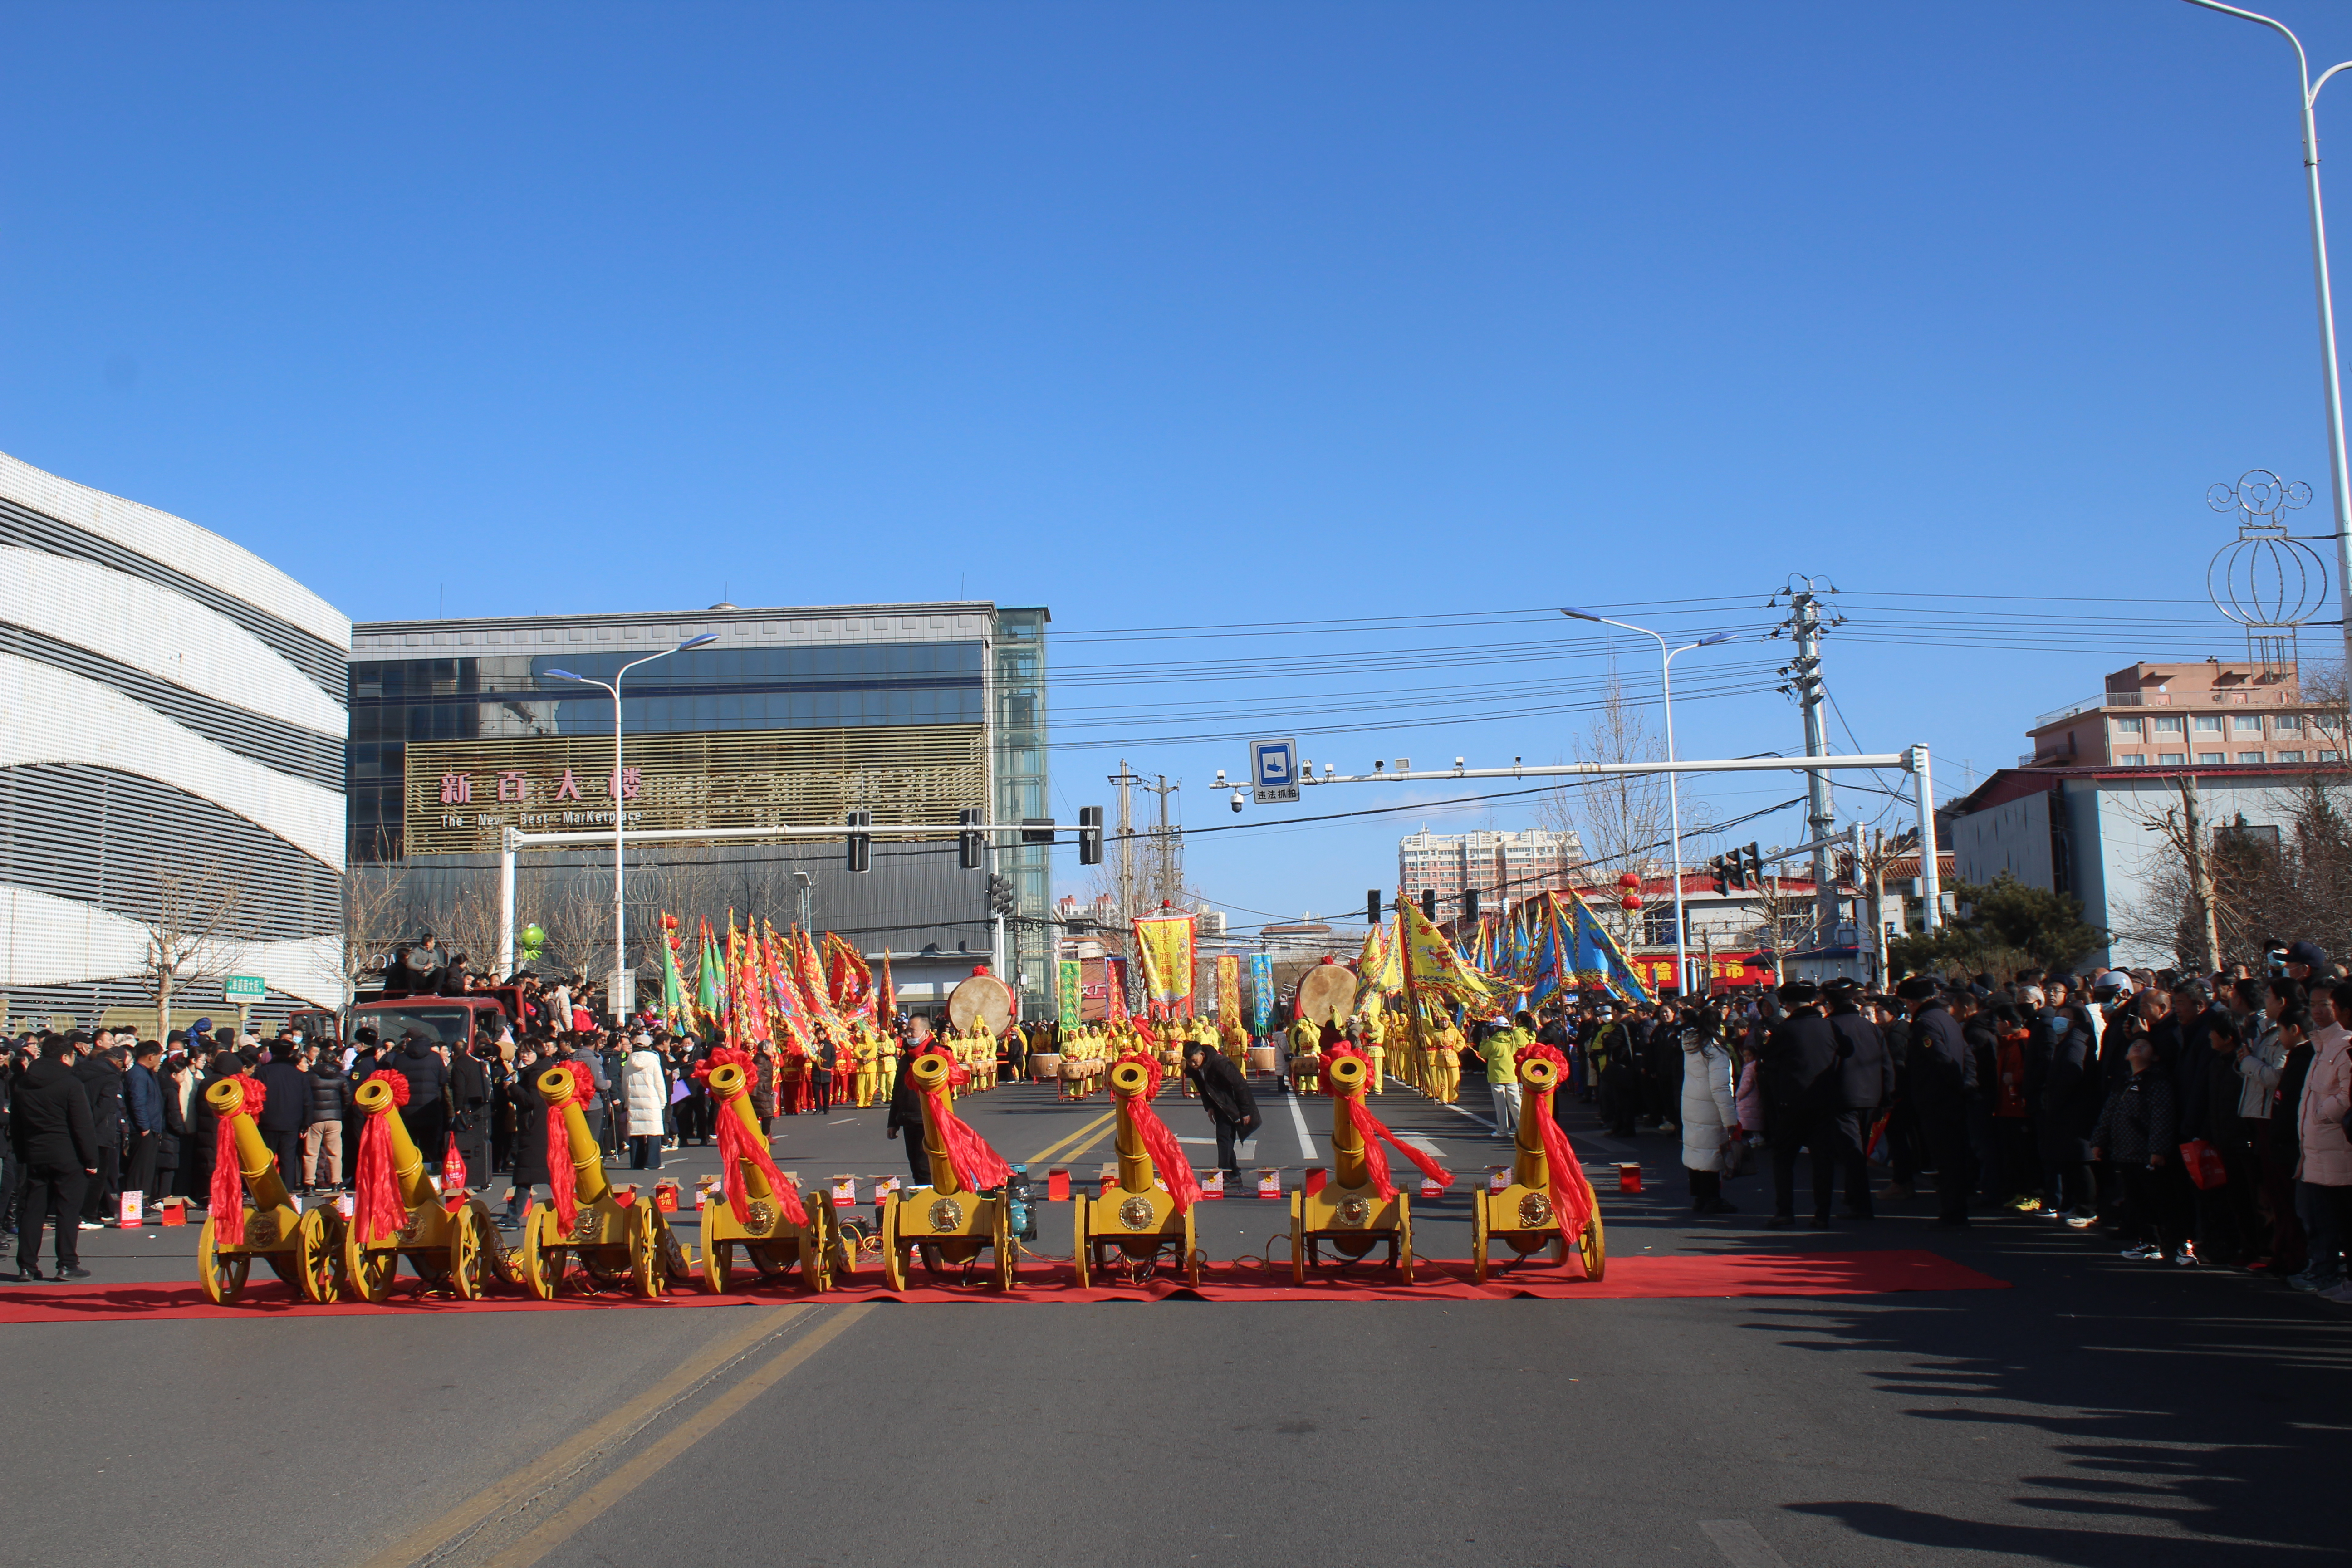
[
  {"x": 1804, "y": 673},
  {"x": 1167, "y": 870},
  {"x": 1126, "y": 778}
]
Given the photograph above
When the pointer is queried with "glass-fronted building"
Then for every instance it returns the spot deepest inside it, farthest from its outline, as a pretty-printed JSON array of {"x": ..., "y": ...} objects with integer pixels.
[{"x": 460, "y": 729}]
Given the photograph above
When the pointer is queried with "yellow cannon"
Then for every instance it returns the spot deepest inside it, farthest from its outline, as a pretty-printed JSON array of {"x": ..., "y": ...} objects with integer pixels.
[
  {"x": 302, "y": 1246},
  {"x": 1522, "y": 1216},
  {"x": 950, "y": 1225},
  {"x": 613, "y": 1241},
  {"x": 1138, "y": 1220},
  {"x": 1348, "y": 1212},
  {"x": 769, "y": 1241},
  {"x": 452, "y": 1242}
]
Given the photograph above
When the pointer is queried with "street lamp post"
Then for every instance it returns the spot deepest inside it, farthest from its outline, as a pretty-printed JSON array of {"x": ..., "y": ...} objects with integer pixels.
[
  {"x": 620, "y": 919},
  {"x": 1674, "y": 781},
  {"x": 2307, "y": 94}
]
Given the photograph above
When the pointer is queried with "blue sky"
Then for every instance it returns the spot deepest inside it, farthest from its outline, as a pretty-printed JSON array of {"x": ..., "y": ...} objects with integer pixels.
[{"x": 1214, "y": 315}]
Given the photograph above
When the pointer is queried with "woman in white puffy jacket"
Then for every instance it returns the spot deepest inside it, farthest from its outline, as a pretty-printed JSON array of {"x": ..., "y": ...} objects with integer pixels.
[
  {"x": 1708, "y": 1120},
  {"x": 644, "y": 1095}
]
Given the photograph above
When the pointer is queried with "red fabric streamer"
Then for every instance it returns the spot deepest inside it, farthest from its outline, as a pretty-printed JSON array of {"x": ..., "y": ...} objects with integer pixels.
[
  {"x": 378, "y": 1209},
  {"x": 738, "y": 1141},
  {"x": 1571, "y": 1194},
  {"x": 1168, "y": 1157},
  {"x": 977, "y": 1167},
  {"x": 563, "y": 1181},
  {"x": 1369, "y": 1127},
  {"x": 396, "y": 1082},
  {"x": 227, "y": 1197}
]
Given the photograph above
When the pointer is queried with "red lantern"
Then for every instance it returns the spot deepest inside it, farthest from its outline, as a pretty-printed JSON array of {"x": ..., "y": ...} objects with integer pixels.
[
  {"x": 1630, "y": 901},
  {"x": 1628, "y": 881}
]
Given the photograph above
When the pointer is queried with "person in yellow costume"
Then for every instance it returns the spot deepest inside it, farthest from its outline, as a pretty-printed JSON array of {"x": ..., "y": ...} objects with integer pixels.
[
  {"x": 1375, "y": 1036},
  {"x": 1305, "y": 1042},
  {"x": 1445, "y": 1058},
  {"x": 865, "y": 1053}
]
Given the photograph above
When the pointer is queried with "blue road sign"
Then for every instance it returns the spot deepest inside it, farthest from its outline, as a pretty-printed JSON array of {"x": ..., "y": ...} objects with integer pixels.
[{"x": 1274, "y": 772}]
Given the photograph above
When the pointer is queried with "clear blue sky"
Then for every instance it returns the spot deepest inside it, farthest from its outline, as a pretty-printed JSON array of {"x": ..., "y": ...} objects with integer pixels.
[{"x": 1206, "y": 315}]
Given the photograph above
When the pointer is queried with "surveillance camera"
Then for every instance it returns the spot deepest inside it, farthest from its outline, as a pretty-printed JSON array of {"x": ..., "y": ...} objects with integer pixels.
[
  {"x": 1237, "y": 800},
  {"x": 1457, "y": 762},
  {"x": 1378, "y": 764},
  {"x": 1221, "y": 778},
  {"x": 1329, "y": 769}
]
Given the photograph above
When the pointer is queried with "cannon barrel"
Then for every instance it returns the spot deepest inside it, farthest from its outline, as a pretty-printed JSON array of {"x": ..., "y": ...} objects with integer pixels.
[
  {"x": 1344, "y": 1076},
  {"x": 374, "y": 1098},
  {"x": 588, "y": 1181},
  {"x": 930, "y": 1072},
  {"x": 255, "y": 1163},
  {"x": 1531, "y": 1169},
  {"x": 1128, "y": 1080},
  {"x": 730, "y": 1084}
]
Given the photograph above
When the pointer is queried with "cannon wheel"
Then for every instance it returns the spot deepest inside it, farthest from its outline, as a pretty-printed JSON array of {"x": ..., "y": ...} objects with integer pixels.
[
  {"x": 840, "y": 1242},
  {"x": 542, "y": 1266},
  {"x": 1478, "y": 1236},
  {"x": 648, "y": 1262},
  {"x": 368, "y": 1272},
  {"x": 1079, "y": 1227},
  {"x": 1003, "y": 1244},
  {"x": 1593, "y": 1247},
  {"x": 894, "y": 1268},
  {"x": 505, "y": 1266},
  {"x": 715, "y": 1270},
  {"x": 1298, "y": 1241},
  {"x": 319, "y": 1252},
  {"x": 466, "y": 1266},
  {"x": 222, "y": 1274}
]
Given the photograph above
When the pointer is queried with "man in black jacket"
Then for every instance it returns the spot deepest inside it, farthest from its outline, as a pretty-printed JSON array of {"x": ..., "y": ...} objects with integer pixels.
[
  {"x": 56, "y": 1144},
  {"x": 101, "y": 1084},
  {"x": 1800, "y": 1049},
  {"x": 426, "y": 1113},
  {"x": 1849, "y": 1096},
  {"x": 285, "y": 1112},
  {"x": 469, "y": 1109},
  {"x": 906, "y": 1118},
  {"x": 1225, "y": 1096},
  {"x": 1943, "y": 1077},
  {"x": 327, "y": 1100}
]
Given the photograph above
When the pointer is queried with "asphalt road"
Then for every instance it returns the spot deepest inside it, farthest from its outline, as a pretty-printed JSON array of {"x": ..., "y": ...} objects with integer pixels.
[{"x": 2098, "y": 1412}]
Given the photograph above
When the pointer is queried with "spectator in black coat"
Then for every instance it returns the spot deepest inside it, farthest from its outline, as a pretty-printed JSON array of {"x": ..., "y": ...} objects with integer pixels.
[
  {"x": 2136, "y": 1136},
  {"x": 1225, "y": 1096},
  {"x": 56, "y": 1140},
  {"x": 101, "y": 1080},
  {"x": 906, "y": 1118},
  {"x": 143, "y": 1105},
  {"x": 1798, "y": 1053},
  {"x": 426, "y": 1113},
  {"x": 2067, "y": 1111},
  {"x": 284, "y": 1111},
  {"x": 1845, "y": 1099},
  {"x": 530, "y": 1132},
  {"x": 1943, "y": 1080},
  {"x": 328, "y": 1101},
  {"x": 470, "y": 1110}
]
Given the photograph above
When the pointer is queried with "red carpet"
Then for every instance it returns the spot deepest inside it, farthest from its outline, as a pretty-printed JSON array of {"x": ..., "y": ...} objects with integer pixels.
[{"x": 1628, "y": 1278}]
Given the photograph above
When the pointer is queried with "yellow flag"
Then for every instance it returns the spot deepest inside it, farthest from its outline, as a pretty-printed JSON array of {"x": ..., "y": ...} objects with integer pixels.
[{"x": 1434, "y": 964}]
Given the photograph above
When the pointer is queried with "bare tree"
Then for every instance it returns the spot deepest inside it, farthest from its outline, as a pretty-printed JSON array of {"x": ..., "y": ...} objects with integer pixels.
[
  {"x": 1619, "y": 818},
  {"x": 199, "y": 930},
  {"x": 371, "y": 901}
]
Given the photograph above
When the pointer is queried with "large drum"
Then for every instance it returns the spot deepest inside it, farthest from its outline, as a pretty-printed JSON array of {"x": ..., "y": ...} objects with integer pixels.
[
  {"x": 1327, "y": 993},
  {"x": 985, "y": 997},
  {"x": 1264, "y": 1059},
  {"x": 1046, "y": 1066}
]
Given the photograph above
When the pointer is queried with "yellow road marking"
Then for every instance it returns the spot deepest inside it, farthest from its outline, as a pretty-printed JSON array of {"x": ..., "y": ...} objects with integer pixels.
[
  {"x": 583, "y": 1509},
  {"x": 462, "y": 1520},
  {"x": 1091, "y": 1130}
]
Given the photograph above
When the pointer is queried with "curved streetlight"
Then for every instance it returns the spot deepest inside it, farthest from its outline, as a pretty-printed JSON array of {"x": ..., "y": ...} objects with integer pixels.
[
  {"x": 1674, "y": 780},
  {"x": 619, "y": 934},
  {"x": 2306, "y": 95}
]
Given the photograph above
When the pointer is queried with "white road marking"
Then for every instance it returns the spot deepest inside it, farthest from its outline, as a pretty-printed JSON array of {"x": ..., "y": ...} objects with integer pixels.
[
  {"x": 1471, "y": 1114},
  {"x": 1424, "y": 1144},
  {"x": 839, "y": 1120},
  {"x": 1246, "y": 1149},
  {"x": 1737, "y": 1540},
  {"x": 1306, "y": 1139}
]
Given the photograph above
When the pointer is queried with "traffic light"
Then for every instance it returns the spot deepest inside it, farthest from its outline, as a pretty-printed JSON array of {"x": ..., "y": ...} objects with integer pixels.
[
  {"x": 1429, "y": 905},
  {"x": 1372, "y": 906},
  {"x": 1470, "y": 905},
  {"x": 861, "y": 847},
  {"x": 1755, "y": 868},
  {"x": 970, "y": 848},
  {"x": 1036, "y": 830},
  {"x": 1090, "y": 835},
  {"x": 1000, "y": 896},
  {"x": 1721, "y": 874}
]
